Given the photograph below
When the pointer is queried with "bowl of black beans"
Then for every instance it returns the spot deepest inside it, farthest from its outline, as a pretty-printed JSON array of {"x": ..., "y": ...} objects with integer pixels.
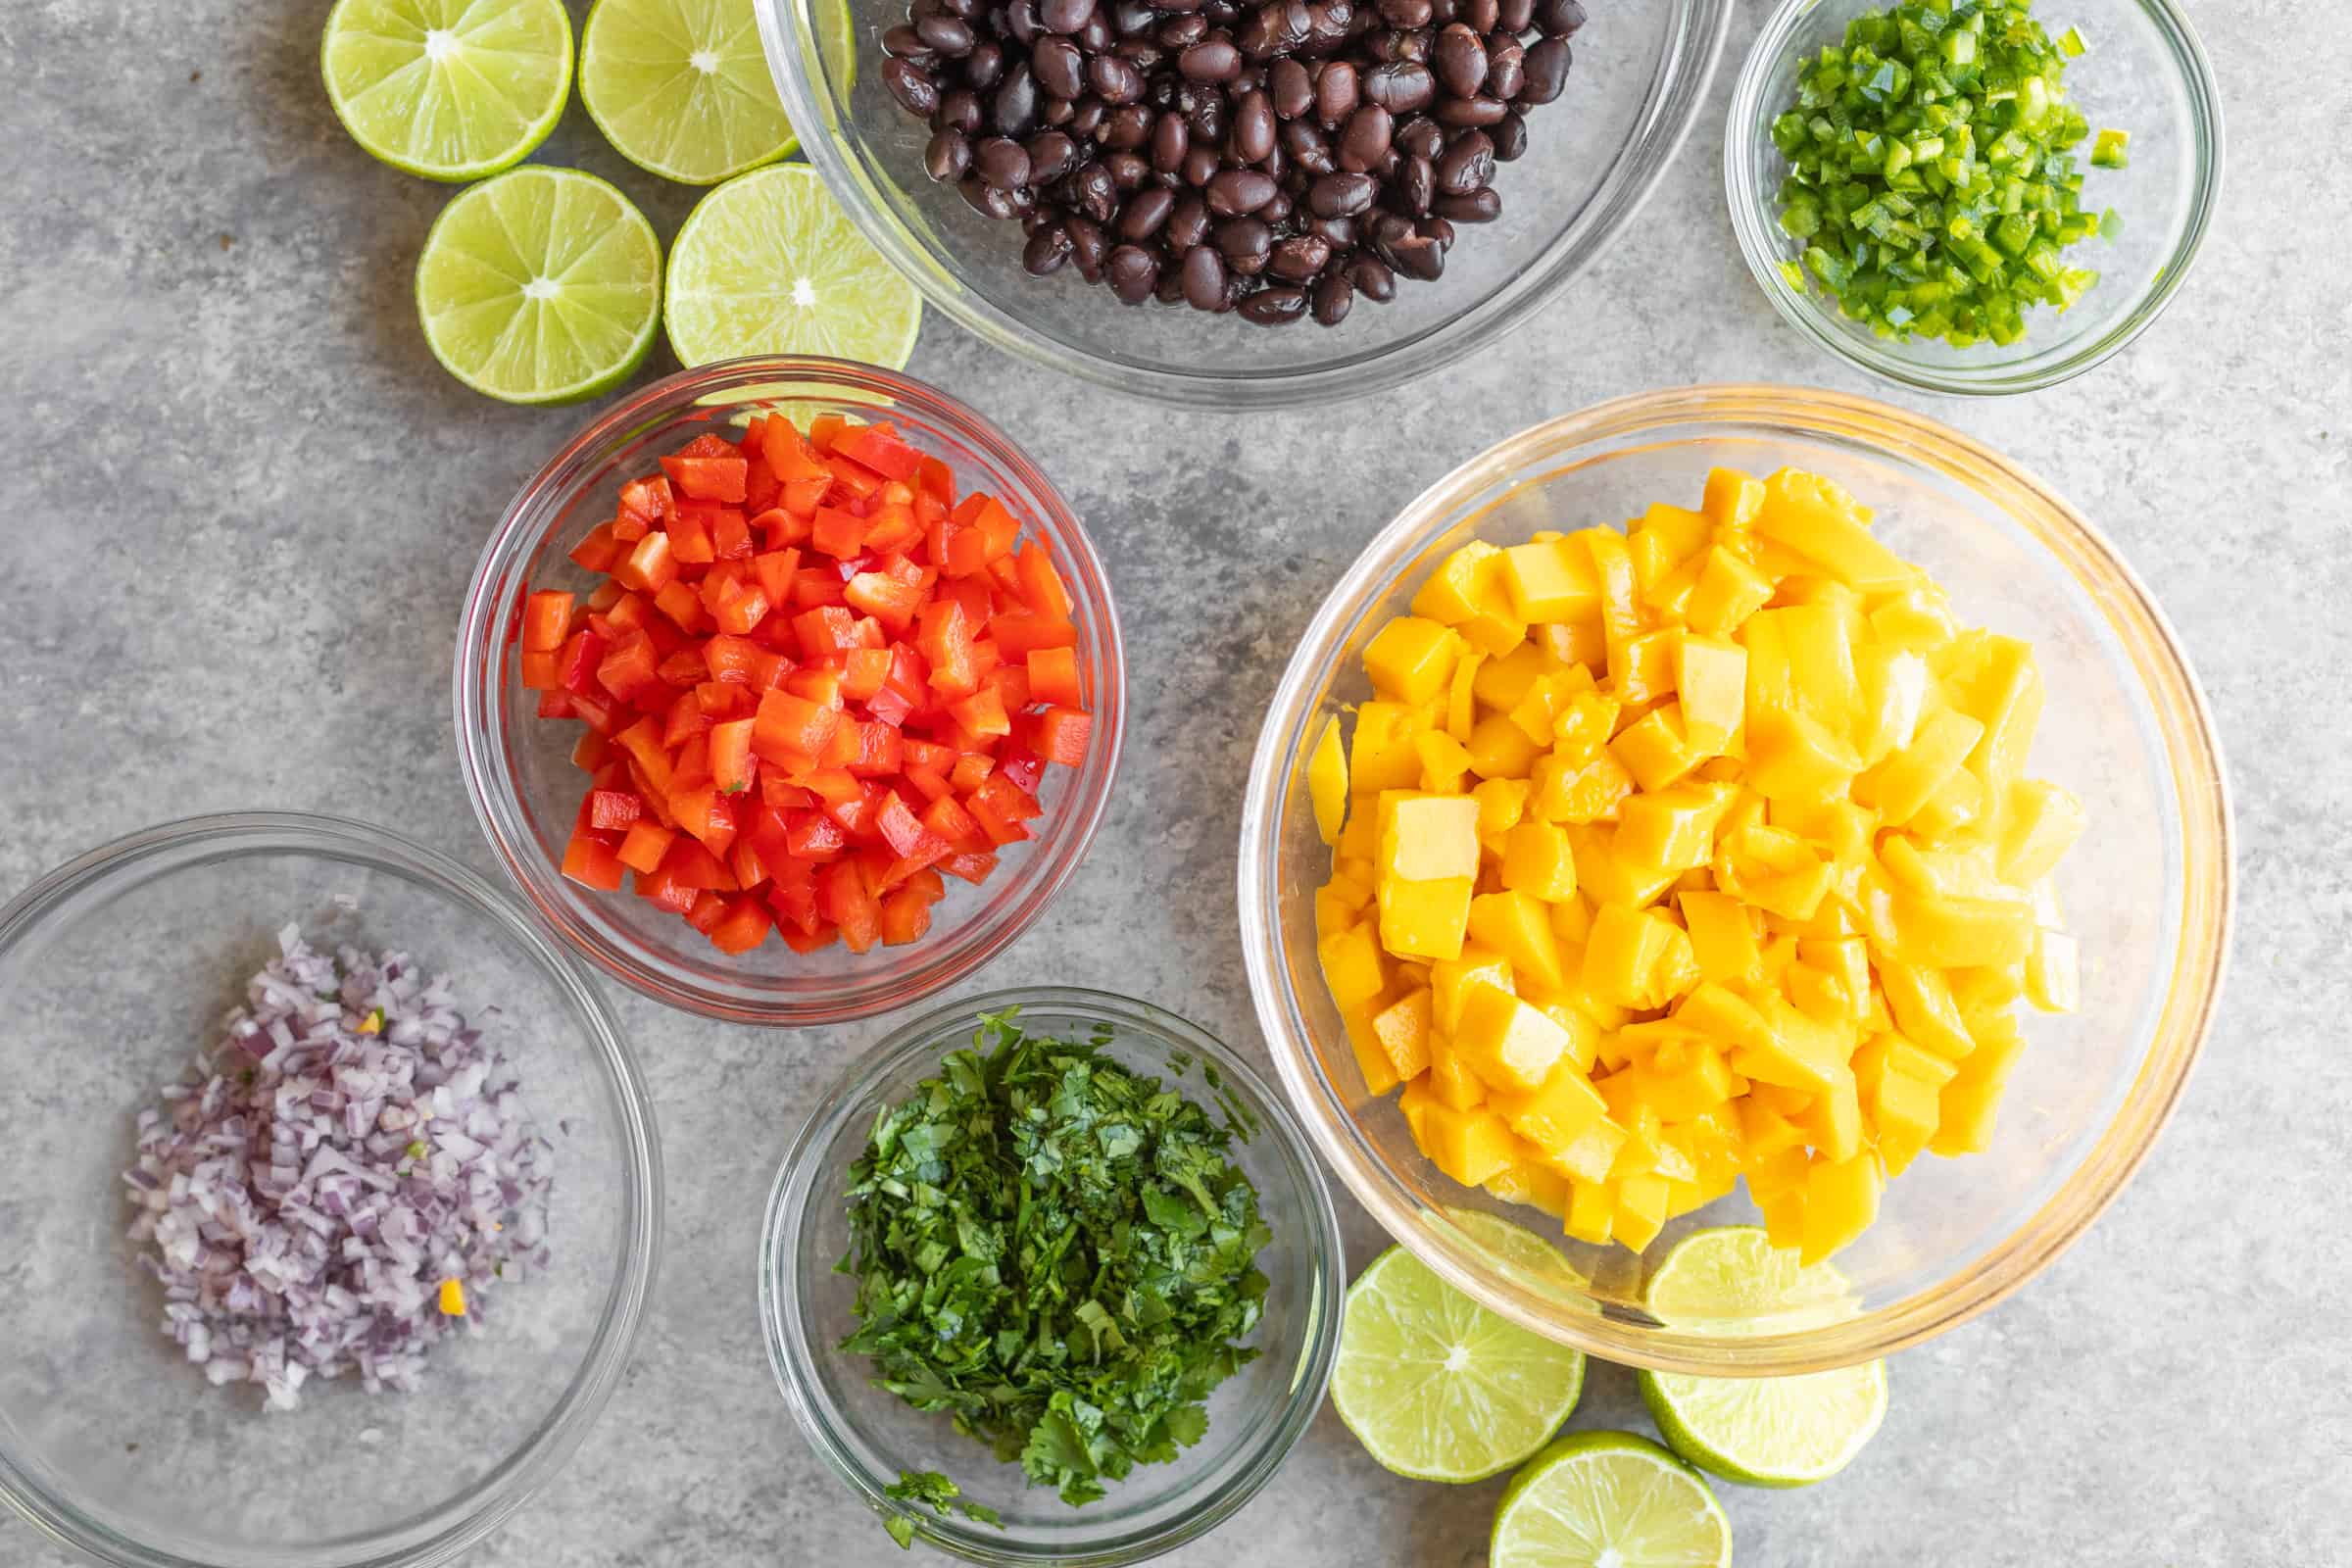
[{"x": 1242, "y": 203}]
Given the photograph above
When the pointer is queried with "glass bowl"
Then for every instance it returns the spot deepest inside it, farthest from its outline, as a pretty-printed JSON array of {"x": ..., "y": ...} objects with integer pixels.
[
  {"x": 114, "y": 970},
  {"x": 2147, "y": 888},
  {"x": 868, "y": 1435},
  {"x": 1641, "y": 72},
  {"x": 2145, "y": 73},
  {"x": 518, "y": 768}
]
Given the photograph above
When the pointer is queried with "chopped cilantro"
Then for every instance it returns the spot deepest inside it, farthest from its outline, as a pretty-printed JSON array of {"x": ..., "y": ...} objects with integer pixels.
[
  {"x": 1056, "y": 1252},
  {"x": 928, "y": 1488}
]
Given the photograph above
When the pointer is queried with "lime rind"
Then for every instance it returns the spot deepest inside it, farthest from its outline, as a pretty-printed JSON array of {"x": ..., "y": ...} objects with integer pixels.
[
  {"x": 681, "y": 88},
  {"x": 1436, "y": 1387},
  {"x": 1609, "y": 1499},
  {"x": 474, "y": 104},
  {"x": 1770, "y": 1431},
  {"x": 769, "y": 264},
  {"x": 540, "y": 286}
]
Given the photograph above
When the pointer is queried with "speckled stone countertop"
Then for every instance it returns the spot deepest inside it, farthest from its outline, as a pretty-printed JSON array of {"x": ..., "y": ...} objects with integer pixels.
[{"x": 206, "y": 299}]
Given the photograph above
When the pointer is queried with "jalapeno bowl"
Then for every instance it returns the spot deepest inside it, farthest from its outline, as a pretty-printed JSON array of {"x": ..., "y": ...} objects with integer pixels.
[
  {"x": 526, "y": 789},
  {"x": 2148, "y": 885}
]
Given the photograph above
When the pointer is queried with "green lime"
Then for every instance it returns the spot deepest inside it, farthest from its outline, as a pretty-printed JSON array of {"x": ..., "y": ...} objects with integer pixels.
[
  {"x": 769, "y": 264},
  {"x": 1437, "y": 1387},
  {"x": 1769, "y": 1432},
  {"x": 543, "y": 285},
  {"x": 1609, "y": 1499},
  {"x": 681, "y": 87},
  {"x": 450, "y": 89},
  {"x": 1732, "y": 1280}
]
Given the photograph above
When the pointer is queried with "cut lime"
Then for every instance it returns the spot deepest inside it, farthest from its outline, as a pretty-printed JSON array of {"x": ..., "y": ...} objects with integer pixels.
[
  {"x": 1437, "y": 1387},
  {"x": 769, "y": 264},
  {"x": 1732, "y": 1280},
  {"x": 543, "y": 285},
  {"x": 1762, "y": 1431},
  {"x": 681, "y": 87},
  {"x": 449, "y": 89},
  {"x": 1609, "y": 1499},
  {"x": 1520, "y": 1247}
]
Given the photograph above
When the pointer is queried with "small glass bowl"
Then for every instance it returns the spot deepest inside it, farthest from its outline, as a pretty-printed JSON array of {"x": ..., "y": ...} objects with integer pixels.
[
  {"x": 2147, "y": 888},
  {"x": 518, "y": 768},
  {"x": 1640, "y": 73},
  {"x": 868, "y": 1435},
  {"x": 114, "y": 970},
  {"x": 2145, "y": 73}
]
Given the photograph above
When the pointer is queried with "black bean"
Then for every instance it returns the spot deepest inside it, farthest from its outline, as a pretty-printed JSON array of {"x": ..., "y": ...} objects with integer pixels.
[
  {"x": 1021, "y": 20},
  {"x": 948, "y": 35},
  {"x": 1087, "y": 247},
  {"x": 1096, "y": 36},
  {"x": 959, "y": 111},
  {"x": 1178, "y": 31},
  {"x": 1059, "y": 67},
  {"x": 1171, "y": 139},
  {"x": 966, "y": 9},
  {"x": 984, "y": 67},
  {"x": 1337, "y": 232},
  {"x": 1418, "y": 186},
  {"x": 1170, "y": 289},
  {"x": 1200, "y": 167},
  {"x": 1014, "y": 109},
  {"x": 1115, "y": 78},
  {"x": 1308, "y": 147},
  {"x": 1509, "y": 136},
  {"x": 1092, "y": 192},
  {"x": 1058, "y": 111},
  {"x": 1557, "y": 18},
  {"x": 1338, "y": 90},
  {"x": 1467, "y": 164},
  {"x": 911, "y": 87},
  {"x": 1481, "y": 112},
  {"x": 1327, "y": 26},
  {"x": 1340, "y": 195},
  {"x": 1420, "y": 137},
  {"x": 1406, "y": 14},
  {"x": 1131, "y": 17},
  {"x": 1480, "y": 15},
  {"x": 1400, "y": 86},
  {"x": 1278, "y": 208},
  {"x": 1245, "y": 242},
  {"x": 1133, "y": 272},
  {"x": 1089, "y": 118},
  {"x": 1207, "y": 118},
  {"x": 1420, "y": 255},
  {"x": 1064, "y": 15},
  {"x": 948, "y": 157},
  {"x": 1002, "y": 162},
  {"x": 1144, "y": 56},
  {"x": 1039, "y": 218},
  {"x": 1238, "y": 191},
  {"x": 1290, "y": 88},
  {"x": 1372, "y": 278},
  {"x": 1253, "y": 127},
  {"x": 1210, "y": 60},
  {"x": 1274, "y": 306},
  {"x": 904, "y": 42},
  {"x": 1461, "y": 57},
  {"x": 1333, "y": 297},
  {"x": 986, "y": 199},
  {"x": 1514, "y": 16},
  {"x": 1437, "y": 228},
  {"x": 1051, "y": 155},
  {"x": 1365, "y": 139},
  {"x": 1128, "y": 128},
  {"x": 1203, "y": 277},
  {"x": 1047, "y": 251},
  {"x": 1410, "y": 47},
  {"x": 1128, "y": 170},
  {"x": 1546, "y": 71},
  {"x": 1298, "y": 258},
  {"x": 1481, "y": 206},
  {"x": 1506, "y": 70},
  {"x": 1187, "y": 225},
  {"x": 1146, "y": 212}
]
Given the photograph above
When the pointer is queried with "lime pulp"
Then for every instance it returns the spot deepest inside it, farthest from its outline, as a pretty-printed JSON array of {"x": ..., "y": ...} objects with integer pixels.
[{"x": 448, "y": 89}]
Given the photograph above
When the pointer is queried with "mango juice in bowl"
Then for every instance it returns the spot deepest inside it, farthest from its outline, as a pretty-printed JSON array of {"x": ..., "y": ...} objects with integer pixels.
[{"x": 1769, "y": 1000}]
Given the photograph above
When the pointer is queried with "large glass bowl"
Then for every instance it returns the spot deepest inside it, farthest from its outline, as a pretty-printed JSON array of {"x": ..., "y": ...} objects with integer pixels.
[
  {"x": 1641, "y": 72},
  {"x": 2145, "y": 73},
  {"x": 114, "y": 970},
  {"x": 2147, "y": 888},
  {"x": 867, "y": 1436},
  {"x": 519, "y": 768}
]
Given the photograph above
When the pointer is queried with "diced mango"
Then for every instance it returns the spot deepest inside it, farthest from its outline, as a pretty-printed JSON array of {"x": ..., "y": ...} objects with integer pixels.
[
  {"x": 1452, "y": 981},
  {"x": 1592, "y": 1208},
  {"x": 1795, "y": 756},
  {"x": 1732, "y": 500},
  {"x": 1501, "y": 749},
  {"x": 1673, "y": 829},
  {"x": 1327, "y": 782},
  {"x": 1551, "y": 581},
  {"x": 2043, "y": 823},
  {"x": 1444, "y": 762},
  {"x": 1518, "y": 925},
  {"x": 1655, "y": 750},
  {"x": 1641, "y": 1210},
  {"x": 1841, "y": 1199},
  {"x": 1380, "y": 1073},
  {"x": 1723, "y": 937},
  {"x": 1424, "y": 919},
  {"x": 1412, "y": 659},
  {"x": 1557, "y": 1113},
  {"x": 1510, "y": 1044},
  {"x": 1452, "y": 1082},
  {"x": 1468, "y": 1146},
  {"x": 1352, "y": 966},
  {"x": 1537, "y": 862},
  {"x": 1818, "y": 519},
  {"x": 1454, "y": 591},
  {"x": 1381, "y": 757},
  {"x": 1710, "y": 682},
  {"x": 1402, "y": 1030},
  {"x": 1426, "y": 837},
  {"x": 2053, "y": 980},
  {"x": 1899, "y": 786}
]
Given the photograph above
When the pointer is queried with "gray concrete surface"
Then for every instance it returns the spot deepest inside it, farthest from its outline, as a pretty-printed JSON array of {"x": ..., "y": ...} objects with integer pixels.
[{"x": 243, "y": 502}]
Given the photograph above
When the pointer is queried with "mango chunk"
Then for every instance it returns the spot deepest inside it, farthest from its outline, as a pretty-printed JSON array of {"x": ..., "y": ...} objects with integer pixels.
[
  {"x": 1412, "y": 659},
  {"x": 1508, "y": 1043},
  {"x": 1424, "y": 919},
  {"x": 1427, "y": 837},
  {"x": 1327, "y": 782}
]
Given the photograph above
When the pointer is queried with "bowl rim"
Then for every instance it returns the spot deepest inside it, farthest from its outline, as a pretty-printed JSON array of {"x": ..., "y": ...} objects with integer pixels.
[
  {"x": 1677, "y": 93},
  {"x": 1755, "y": 228},
  {"x": 490, "y": 782},
  {"x": 2192, "y": 994},
  {"x": 455, "y": 1527},
  {"x": 786, "y": 1331}
]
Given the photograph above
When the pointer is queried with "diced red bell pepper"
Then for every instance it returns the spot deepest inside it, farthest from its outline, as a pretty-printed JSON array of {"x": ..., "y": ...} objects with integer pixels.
[
  {"x": 1023, "y": 767},
  {"x": 645, "y": 844},
  {"x": 844, "y": 898},
  {"x": 1054, "y": 676},
  {"x": 648, "y": 566},
  {"x": 648, "y": 500},
  {"x": 836, "y": 532},
  {"x": 690, "y": 534},
  {"x": 731, "y": 535},
  {"x": 971, "y": 865},
  {"x": 982, "y": 713},
  {"x": 790, "y": 728},
  {"x": 1020, "y": 634},
  {"x": 733, "y": 768},
  {"x": 947, "y": 817},
  {"x": 592, "y": 862},
  {"x": 879, "y": 448},
  {"x": 805, "y": 943},
  {"x": 945, "y": 643},
  {"x": 692, "y": 864},
  {"x": 613, "y": 810},
  {"x": 1061, "y": 735},
  {"x": 815, "y": 836},
  {"x": 546, "y": 620},
  {"x": 707, "y": 479},
  {"x": 745, "y": 925},
  {"x": 708, "y": 909},
  {"x": 904, "y": 917},
  {"x": 597, "y": 550},
  {"x": 660, "y": 887}
]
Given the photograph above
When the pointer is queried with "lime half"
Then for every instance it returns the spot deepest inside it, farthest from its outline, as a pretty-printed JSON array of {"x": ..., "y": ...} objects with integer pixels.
[
  {"x": 543, "y": 285},
  {"x": 681, "y": 87},
  {"x": 1761, "y": 1432},
  {"x": 769, "y": 264},
  {"x": 1437, "y": 1387},
  {"x": 1609, "y": 1499},
  {"x": 449, "y": 89}
]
